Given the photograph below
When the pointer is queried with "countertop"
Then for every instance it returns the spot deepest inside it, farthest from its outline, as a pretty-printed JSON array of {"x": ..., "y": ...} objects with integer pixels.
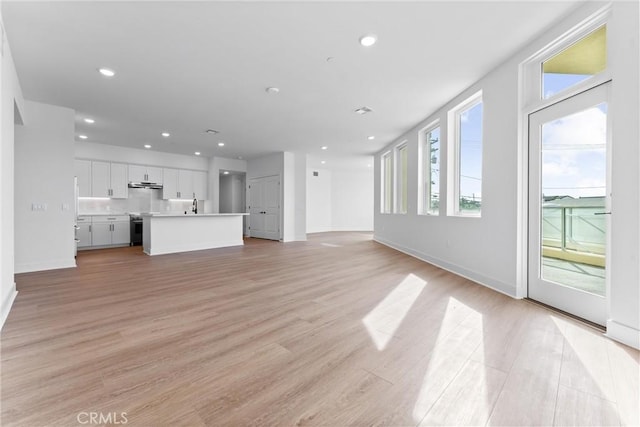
[
  {"x": 103, "y": 214},
  {"x": 190, "y": 215}
]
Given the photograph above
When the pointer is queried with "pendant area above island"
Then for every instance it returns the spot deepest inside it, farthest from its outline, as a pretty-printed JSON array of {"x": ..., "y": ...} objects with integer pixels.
[{"x": 172, "y": 233}]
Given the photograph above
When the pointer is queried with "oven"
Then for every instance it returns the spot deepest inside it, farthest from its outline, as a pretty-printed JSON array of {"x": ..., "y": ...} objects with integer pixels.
[{"x": 136, "y": 230}]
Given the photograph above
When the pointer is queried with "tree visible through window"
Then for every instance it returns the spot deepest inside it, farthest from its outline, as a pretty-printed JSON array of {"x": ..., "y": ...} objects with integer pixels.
[
  {"x": 401, "y": 206},
  {"x": 469, "y": 157},
  {"x": 387, "y": 183},
  {"x": 431, "y": 172}
]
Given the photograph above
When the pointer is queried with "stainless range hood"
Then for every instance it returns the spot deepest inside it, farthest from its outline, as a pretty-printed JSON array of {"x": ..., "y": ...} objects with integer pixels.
[{"x": 146, "y": 184}]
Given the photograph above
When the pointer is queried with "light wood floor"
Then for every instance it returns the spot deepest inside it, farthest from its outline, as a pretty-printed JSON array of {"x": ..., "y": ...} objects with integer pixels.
[{"x": 335, "y": 331}]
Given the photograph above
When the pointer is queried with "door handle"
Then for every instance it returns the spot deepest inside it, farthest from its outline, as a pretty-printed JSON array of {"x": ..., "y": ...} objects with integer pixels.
[{"x": 602, "y": 213}]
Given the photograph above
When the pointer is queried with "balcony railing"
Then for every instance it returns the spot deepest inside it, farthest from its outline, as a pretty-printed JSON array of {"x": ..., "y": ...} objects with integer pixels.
[{"x": 574, "y": 233}]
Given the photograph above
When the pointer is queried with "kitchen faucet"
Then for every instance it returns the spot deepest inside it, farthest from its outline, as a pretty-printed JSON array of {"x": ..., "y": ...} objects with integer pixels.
[{"x": 194, "y": 206}]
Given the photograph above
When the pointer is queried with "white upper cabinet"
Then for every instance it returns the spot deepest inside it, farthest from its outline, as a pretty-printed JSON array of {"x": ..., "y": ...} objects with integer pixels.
[
  {"x": 119, "y": 181},
  {"x": 199, "y": 185},
  {"x": 109, "y": 180},
  {"x": 170, "y": 184},
  {"x": 100, "y": 179},
  {"x": 185, "y": 184},
  {"x": 139, "y": 173},
  {"x": 154, "y": 174},
  {"x": 83, "y": 173}
]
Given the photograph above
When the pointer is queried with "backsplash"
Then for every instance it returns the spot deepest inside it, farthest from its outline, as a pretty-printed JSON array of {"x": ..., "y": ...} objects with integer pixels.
[{"x": 140, "y": 200}]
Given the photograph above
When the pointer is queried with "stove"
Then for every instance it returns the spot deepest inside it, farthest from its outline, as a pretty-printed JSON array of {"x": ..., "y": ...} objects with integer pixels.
[{"x": 136, "y": 230}]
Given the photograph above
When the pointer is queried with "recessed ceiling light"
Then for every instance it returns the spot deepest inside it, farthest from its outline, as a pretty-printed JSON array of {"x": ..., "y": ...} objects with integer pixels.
[
  {"x": 226, "y": 172},
  {"x": 213, "y": 131},
  {"x": 166, "y": 134},
  {"x": 147, "y": 146},
  {"x": 272, "y": 90},
  {"x": 220, "y": 144},
  {"x": 368, "y": 40},
  {"x": 323, "y": 162},
  {"x": 197, "y": 153},
  {"x": 371, "y": 138},
  {"x": 363, "y": 110},
  {"x": 324, "y": 147},
  {"x": 88, "y": 120},
  {"x": 83, "y": 136},
  {"x": 106, "y": 72}
]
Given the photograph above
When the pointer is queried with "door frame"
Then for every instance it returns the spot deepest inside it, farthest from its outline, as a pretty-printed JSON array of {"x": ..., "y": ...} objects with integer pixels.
[
  {"x": 529, "y": 101},
  {"x": 280, "y": 200},
  {"x": 589, "y": 307}
]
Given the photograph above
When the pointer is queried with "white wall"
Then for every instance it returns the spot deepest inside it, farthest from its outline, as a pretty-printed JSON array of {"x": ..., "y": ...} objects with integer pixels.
[
  {"x": 486, "y": 249},
  {"x": 115, "y": 153},
  {"x": 624, "y": 57},
  {"x": 352, "y": 200},
  {"x": 339, "y": 200},
  {"x": 11, "y": 102},
  {"x": 217, "y": 164},
  {"x": 290, "y": 167},
  {"x": 300, "y": 193},
  {"x": 232, "y": 194},
  {"x": 319, "y": 216},
  {"x": 44, "y": 175}
]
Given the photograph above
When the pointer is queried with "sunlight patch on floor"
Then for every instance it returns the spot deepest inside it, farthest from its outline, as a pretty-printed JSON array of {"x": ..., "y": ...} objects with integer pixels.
[
  {"x": 455, "y": 344},
  {"x": 386, "y": 317},
  {"x": 331, "y": 245}
]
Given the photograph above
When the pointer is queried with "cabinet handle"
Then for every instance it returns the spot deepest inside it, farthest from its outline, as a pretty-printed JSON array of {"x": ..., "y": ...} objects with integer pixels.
[{"x": 89, "y": 229}]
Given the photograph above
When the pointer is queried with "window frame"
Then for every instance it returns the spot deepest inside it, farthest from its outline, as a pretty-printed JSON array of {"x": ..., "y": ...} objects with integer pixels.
[
  {"x": 384, "y": 171},
  {"x": 531, "y": 68},
  {"x": 453, "y": 164},
  {"x": 398, "y": 187},
  {"x": 424, "y": 175}
]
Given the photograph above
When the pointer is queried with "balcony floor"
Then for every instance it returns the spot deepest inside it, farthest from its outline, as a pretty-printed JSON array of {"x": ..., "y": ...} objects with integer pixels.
[{"x": 576, "y": 275}]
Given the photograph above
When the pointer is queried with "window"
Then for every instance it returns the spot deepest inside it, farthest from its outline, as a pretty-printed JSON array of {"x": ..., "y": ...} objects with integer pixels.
[
  {"x": 430, "y": 203},
  {"x": 580, "y": 61},
  {"x": 387, "y": 183},
  {"x": 467, "y": 139},
  {"x": 401, "y": 177}
]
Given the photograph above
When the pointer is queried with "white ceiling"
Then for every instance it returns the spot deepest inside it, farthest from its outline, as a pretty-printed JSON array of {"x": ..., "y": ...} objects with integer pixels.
[{"x": 184, "y": 67}]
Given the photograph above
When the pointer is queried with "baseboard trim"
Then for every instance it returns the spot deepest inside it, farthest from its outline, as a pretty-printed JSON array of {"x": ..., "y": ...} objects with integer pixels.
[
  {"x": 7, "y": 304},
  {"x": 488, "y": 282},
  {"x": 623, "y": 333},
  {"x": 41, "y": 266}
]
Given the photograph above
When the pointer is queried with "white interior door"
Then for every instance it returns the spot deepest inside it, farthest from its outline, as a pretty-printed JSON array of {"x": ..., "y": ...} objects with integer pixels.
[
  {"x": 264, "y": 207},
  {"x": 569, "y": 204}
]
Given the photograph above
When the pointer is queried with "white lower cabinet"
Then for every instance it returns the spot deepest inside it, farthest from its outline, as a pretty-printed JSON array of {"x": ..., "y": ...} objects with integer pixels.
[
  {"x": 120, "y": 233},
  {"x": 83, "y": 234},
  {"x": 102, "y": 231}
]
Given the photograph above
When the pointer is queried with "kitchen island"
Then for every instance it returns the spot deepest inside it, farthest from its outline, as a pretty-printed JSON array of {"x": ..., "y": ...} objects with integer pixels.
[{"x": 171, "y": 233}]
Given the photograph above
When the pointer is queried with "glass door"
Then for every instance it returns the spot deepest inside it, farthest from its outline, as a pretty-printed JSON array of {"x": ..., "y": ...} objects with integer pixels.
[{"x": 569, "y": 204}]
